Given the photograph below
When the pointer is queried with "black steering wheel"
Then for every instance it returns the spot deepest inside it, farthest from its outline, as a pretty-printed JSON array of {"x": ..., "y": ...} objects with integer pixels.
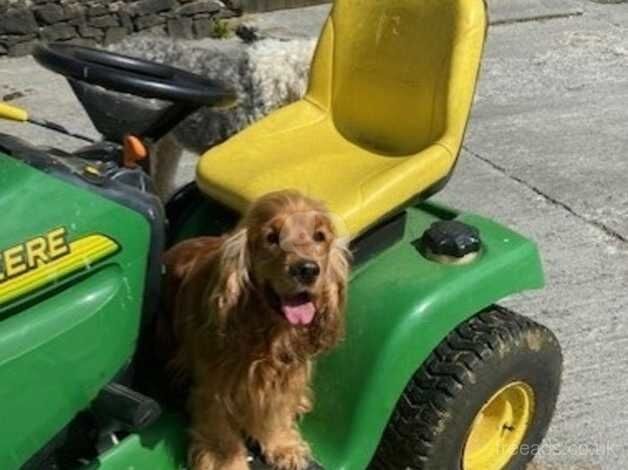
[{"x": 126, "y": 74}]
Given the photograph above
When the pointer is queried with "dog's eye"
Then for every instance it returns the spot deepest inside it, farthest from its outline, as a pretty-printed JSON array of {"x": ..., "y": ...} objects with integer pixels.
[
  {"x": 319, "y": 236},
  {"x": 272, "y": 238}
]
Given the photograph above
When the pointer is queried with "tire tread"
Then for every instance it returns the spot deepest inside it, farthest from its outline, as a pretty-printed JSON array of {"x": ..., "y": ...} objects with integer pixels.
[{"x": 408, "y": 441}]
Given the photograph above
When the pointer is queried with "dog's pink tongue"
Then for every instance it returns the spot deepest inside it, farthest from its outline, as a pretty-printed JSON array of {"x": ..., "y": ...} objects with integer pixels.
[{"x": 299, "y": 310}]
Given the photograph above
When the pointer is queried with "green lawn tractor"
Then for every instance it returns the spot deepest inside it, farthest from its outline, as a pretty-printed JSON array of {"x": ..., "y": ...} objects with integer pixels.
[{"x": 433, "y": 374}]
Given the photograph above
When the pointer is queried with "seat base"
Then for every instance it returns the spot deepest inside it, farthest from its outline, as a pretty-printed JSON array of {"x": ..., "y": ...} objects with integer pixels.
[{"x": 299, "y": 148}]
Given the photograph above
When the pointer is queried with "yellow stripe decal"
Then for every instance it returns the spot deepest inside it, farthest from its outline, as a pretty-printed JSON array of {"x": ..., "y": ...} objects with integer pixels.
[{"x": 80, "y": 255}]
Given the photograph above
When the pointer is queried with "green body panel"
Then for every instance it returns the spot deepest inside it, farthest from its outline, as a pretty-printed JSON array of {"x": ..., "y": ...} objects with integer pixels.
[
  {"x": 163, "y": 446},
  {"x": 401, "y": 306},
  {"x": 61, "y": 344}
]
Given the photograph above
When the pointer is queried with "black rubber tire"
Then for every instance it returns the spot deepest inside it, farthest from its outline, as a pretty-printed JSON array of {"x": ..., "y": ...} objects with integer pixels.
[{"x": 429, "y": 426}]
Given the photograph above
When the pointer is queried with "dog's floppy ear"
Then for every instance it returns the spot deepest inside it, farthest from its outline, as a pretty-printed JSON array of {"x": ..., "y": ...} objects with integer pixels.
[
  {"x": 332, "y": 323},
  {"x": 232, "y": 278},
  {"x": 339, "y": 265}
]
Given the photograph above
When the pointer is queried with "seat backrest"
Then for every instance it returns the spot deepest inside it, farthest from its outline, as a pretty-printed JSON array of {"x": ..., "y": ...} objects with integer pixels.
[{"x": 399, "y": 75}]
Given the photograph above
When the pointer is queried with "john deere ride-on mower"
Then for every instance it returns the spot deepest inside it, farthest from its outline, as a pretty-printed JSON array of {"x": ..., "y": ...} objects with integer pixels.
[{"x": 432, "y": 374}]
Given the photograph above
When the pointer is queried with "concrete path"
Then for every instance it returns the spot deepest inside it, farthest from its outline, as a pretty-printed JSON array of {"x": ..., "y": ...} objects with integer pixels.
[
  {"x": 547, "y": 153},
  {"x": 511, "y": 11},
  {"x": 306, "y": 22}
]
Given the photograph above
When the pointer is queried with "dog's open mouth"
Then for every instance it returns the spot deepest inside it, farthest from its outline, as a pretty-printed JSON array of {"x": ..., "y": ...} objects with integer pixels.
[{"x": 298, "y": 309}]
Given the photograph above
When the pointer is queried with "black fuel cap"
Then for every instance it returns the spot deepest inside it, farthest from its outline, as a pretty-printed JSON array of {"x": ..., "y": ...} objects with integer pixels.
[{"x": 451, "y": 238}]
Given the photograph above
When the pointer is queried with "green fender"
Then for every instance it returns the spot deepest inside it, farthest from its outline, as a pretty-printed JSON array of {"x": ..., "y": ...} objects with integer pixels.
[{"x": 401, "y": 306}]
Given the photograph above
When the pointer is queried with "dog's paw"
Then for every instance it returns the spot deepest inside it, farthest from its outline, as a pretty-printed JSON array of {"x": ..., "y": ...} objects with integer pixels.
[
  {"x": 290, "y": 457},
  {"x": 201, "y": 459},
  {"x": 210, "y": 464}
]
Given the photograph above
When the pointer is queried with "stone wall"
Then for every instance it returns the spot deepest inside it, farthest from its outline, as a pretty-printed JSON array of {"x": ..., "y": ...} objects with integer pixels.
[{"x": 103, "y": 22}]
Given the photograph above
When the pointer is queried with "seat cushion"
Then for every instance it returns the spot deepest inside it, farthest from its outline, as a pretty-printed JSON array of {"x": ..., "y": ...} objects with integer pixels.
[
  {"x": 298, "y": 147},
  {"x": 383, "y": 120}
]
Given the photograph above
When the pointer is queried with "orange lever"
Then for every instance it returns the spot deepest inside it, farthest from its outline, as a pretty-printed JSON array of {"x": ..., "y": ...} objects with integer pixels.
[{"x": 134, "y": 150}]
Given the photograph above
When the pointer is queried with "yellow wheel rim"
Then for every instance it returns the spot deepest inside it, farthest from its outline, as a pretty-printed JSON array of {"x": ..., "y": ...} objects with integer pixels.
[{"x": 499, "y": 428}]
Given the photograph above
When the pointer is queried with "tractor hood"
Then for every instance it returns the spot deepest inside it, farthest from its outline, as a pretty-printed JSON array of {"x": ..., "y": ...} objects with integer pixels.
[
  {"x": 79, "y": 259},
  {"x": 42, "y": 197}
]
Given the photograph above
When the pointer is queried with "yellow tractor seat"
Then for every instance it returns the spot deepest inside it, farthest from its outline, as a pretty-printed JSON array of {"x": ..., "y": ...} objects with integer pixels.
[{"x": 383, "y": 120}]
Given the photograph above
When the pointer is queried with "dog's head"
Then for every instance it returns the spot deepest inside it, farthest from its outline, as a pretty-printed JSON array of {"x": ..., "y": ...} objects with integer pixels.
[{"x": 287, "y": 248}]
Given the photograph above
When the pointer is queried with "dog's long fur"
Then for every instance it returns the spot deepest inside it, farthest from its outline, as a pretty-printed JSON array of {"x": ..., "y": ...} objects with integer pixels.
[
  {"x": 265, "y": 75},
  {"x": 249, "y": 367}
]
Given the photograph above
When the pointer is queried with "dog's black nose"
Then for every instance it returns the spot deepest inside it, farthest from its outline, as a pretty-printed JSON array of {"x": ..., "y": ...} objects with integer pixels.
[{"x": 305, "y": 272}]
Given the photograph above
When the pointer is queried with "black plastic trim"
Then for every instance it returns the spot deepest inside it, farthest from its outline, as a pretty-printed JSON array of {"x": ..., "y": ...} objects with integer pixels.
[
  {"x": 181, "y": 205},
  {"x": 378, "y": 238},
  {"x": 130, "y": 409}
]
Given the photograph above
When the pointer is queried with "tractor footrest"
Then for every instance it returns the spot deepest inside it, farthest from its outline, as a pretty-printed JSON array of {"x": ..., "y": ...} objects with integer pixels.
[{"x": 132, "y": 410}]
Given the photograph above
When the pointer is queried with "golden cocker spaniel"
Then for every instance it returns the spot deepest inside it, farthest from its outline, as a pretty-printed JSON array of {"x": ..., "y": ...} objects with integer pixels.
[{"x": 249, "y": 312}]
